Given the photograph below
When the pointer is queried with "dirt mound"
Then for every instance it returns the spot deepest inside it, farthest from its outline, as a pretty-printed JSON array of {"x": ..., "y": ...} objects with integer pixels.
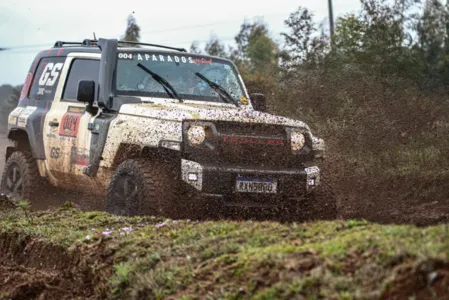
[
  {"x": 33, "y": 268},
  {"x": 67, "y": 253},
  {"x": 427, "y": 279}
]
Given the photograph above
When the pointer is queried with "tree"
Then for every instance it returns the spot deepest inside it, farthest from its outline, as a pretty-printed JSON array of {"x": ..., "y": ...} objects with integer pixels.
[
  {"x": 301, "y": 44},
  {"x": 194, "y": 48},
  {"x": 215, "y": 47},
  {"x": 432, "y": 39},
  {"x": 256, "y": 50},
  {"x": 132, "y": 32}
]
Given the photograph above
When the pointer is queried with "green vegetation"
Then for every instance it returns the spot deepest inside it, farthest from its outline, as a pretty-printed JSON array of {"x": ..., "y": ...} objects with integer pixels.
[{"x": 157, "y": 258}]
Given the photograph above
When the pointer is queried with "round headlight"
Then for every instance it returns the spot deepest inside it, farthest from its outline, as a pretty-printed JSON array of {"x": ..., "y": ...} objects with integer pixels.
[
  {"x": 298, "y": 140},
  {"x": 196, "y": 135}
]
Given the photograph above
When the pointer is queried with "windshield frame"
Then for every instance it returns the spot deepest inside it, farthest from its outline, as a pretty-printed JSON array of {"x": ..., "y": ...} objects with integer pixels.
[{"x": 165, "y": 97}]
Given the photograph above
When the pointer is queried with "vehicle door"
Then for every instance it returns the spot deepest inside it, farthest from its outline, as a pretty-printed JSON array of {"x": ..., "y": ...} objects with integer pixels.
[{"x": 67, "y": 134}]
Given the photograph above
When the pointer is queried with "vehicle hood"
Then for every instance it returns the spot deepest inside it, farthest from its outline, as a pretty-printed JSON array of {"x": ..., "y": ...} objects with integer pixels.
[{"x": 185, "y": 111}]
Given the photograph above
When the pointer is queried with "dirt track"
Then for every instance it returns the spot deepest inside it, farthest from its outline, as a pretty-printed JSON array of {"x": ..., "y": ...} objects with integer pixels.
[{"x": 391, "y": 202}]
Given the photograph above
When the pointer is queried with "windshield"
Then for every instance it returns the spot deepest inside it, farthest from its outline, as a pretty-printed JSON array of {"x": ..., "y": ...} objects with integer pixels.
[{"x": 182, "y": 71}]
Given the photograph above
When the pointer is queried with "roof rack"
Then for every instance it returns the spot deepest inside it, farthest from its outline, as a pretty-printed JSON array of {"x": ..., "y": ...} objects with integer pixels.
[
  {"x": 88, "y": 42},
  {"x": 152, "y": 45}
]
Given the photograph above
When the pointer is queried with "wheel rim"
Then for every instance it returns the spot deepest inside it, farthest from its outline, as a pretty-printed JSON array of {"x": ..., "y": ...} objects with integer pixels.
[
  {"x": 13, "y": 181},
  {"x": 124, "y": 197}
]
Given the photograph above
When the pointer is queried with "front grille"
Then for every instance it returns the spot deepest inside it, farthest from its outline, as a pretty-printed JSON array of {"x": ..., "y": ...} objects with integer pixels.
[
  {"x": 257, "y": 155},
  {"x": 250, "y": 129},
  {"x": 245, "y": 144}
]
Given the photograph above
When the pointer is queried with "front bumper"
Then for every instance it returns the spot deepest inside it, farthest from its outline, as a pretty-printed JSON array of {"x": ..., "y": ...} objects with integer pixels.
[{"x": 221, "y": 180}]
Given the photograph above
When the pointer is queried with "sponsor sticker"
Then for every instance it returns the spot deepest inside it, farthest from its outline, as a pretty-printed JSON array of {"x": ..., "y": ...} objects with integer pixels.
[
  {"x": 79, "y": 156},
  {"x": 24, "y": 115},
  {"x": 203, "y": 61},
  {"x": 12, "y": 120},
  {"x": 16, "y": 112},
  {"x": 55, "y": 152},
  {"x": 70, "y": 121},
  {"x": 169, "y": 58},
  {"x": 70, "y": 124},
  {"x": 50, "y": 74},
  {"x": 76, "y": 109}
]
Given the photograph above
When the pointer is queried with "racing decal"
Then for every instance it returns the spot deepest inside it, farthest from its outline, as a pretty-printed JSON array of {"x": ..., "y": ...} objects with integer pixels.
[
  {"x": 12, "y": 120},
  {"x": 164, "y": 58},
  {"x": 76, "y": 109},
  {"x": 125, "y": 56},
  {"x": 69, "y": 124},
  {"x": 203, "y": 61},
  {"x": 16, "y": 112},
  {"x": 46, "y": 78},
  {"x": 13, "y": 116},
  {"x": 49, "y": 77},
  {"x": 24, "y": 115},
  {"x": 79, "y": 156},
  {"x": 70, "y": 121},
  {"x": 55, "y": 152},
  {"x": 50, "y": 74}
]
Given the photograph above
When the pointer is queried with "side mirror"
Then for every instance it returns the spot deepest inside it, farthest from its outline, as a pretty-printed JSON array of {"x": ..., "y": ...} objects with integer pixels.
[
  {"x": 258, "y": 101},
  {"x": 86, "y": 92}
]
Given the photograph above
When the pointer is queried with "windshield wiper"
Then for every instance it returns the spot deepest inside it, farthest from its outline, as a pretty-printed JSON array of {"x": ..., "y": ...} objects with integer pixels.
[
  {"x": 165, "y": 84},
  {"x": 219, "y": 89}
]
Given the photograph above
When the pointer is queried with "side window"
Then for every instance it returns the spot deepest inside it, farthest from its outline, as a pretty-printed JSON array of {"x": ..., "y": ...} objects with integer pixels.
[
  {"x": 81, "y": 69},
  {"x": 46, "y": 78}
]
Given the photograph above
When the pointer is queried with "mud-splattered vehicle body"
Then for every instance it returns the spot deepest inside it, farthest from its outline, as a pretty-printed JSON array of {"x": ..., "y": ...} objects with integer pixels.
[{"x": 144, "y": 127}]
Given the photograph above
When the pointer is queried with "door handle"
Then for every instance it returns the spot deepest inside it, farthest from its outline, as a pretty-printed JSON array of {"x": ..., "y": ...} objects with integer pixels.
[{"x": 53, "y": 123}]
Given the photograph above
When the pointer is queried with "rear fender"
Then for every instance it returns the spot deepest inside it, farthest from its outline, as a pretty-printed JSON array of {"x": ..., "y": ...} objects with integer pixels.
[{"x": 21, "y": 141}]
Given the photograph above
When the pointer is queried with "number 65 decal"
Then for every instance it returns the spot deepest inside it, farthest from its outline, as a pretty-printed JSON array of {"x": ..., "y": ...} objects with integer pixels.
[{"x": 50, "y": 74}]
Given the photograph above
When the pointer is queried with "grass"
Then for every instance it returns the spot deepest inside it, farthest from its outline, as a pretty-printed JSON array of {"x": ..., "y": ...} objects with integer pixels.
[{"x": 157, "y": 258}]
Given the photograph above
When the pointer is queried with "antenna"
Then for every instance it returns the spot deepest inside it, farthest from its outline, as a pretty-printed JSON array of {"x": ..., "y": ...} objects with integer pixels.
[{"x": 95, "y": 38}]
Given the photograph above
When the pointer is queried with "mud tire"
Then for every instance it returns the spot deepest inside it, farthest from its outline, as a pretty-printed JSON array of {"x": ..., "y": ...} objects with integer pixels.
[
  {"x": 32, "y": 186},
  {"x": 140, "y": 187}
]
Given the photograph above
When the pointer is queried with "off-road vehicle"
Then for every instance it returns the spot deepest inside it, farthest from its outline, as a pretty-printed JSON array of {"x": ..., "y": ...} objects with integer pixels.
[{"x": 144, "y": 125}]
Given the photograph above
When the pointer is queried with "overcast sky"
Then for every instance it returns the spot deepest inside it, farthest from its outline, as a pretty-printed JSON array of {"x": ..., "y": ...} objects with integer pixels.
[{"x": 174, "y": 23}]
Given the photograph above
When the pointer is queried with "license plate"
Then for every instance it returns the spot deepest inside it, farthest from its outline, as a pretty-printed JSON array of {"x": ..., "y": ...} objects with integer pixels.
[{"x": 256, "y": 185}]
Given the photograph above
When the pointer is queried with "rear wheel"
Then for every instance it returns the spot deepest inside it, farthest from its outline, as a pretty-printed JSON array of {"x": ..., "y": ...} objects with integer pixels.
[
  {"x": 21, "y": 179},
  {"x": 141, "y": 187}
]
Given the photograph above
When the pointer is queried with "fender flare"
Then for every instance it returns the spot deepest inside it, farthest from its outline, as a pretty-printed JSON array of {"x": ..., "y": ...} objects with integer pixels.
[{"x": 23, "y": 136}]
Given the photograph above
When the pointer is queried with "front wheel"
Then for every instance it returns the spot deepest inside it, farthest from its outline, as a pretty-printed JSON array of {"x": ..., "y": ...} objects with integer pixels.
[
  {"x": 21, "y": 179},
  {"x": 142, "y": 187}
]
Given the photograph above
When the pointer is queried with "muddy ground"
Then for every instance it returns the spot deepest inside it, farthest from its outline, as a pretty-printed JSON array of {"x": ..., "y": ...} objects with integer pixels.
[{"x": 419, "y": 200}]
